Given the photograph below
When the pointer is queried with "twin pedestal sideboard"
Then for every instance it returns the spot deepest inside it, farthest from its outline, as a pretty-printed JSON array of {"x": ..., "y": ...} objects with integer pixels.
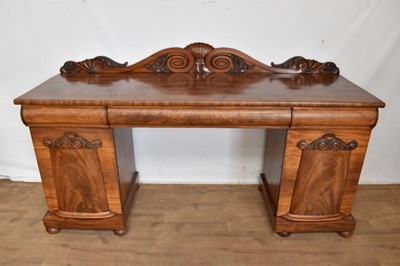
[{"x": 318, "y": 126}]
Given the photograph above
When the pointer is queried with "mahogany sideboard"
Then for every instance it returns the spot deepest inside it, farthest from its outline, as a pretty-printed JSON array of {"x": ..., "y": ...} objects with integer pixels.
[{"x": 318, "y": 126}]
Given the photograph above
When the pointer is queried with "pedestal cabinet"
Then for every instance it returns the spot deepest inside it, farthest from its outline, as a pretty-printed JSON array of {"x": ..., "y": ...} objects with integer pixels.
[
  {"x": 310, "y": 178},
  {"x": 88, "y": 176}
]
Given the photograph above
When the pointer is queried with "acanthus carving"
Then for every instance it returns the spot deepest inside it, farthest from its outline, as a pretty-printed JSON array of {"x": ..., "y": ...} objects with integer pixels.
[
  {"x": 199, "y": 58},
  {"x": 95, "y": 65},
  {"x": 327, "y": 142},
  {"x": 159, "y": 65},
  {"x": 240, "y": 65},
  {"x": 71, "y": 140},
  {"x": 303, "y": 65},
  {"x": 227, "y": 63},
  {"x": 173, "y": 62}
]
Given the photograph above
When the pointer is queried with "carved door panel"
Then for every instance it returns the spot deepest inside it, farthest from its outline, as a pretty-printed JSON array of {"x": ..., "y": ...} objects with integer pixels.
[
  {"x": 76, "y": 171},
  {"x": 321, "y": 179},
  {"x": 320, "y": 173},
  {"x": 77, "y": 176}
]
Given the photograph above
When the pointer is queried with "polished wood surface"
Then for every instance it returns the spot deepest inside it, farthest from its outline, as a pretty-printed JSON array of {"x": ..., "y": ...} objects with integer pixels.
[
  {"x": 205, "y": 225},
  {"x": 186, "y": 90},
  {"x": 273, "y": 160},
  {"x": 317, "y": 123},
  {"x": 85, "y": 188}
]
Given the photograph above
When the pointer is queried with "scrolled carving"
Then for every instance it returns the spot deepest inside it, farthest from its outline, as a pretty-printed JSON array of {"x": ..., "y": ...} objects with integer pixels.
[
  {"x": 71, "y": 140},
  {"x": 180, "y": 62},
  {"x": 227, "y": 63},
  {"x": 303, "y": 65},
  {"x": 327, "y": 142},
  {"x": 220, "y": 63},
  {"x": 199, "y": 58},
  {"x": 172, "y": 62},
  {"x": 93, "y": 66}
]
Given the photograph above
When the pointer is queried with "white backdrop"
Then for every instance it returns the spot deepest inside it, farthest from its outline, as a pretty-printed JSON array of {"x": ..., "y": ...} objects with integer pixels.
[{"x": 361, "y": 36}]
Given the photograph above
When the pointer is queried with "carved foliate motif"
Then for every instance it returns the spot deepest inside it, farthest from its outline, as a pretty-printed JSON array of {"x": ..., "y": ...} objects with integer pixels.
[
  {"x": 159, "y": 65},
  {"x": 71, "y": 140},
  {"x": 199, "y": 58},
  {"x": 93, "y": 66},
  {"x": 173, "y": 62},
  {"x": 222, "y": 62},
  {"x": 303, "y": 65},
  {"x": 327, "y": 142},
  {"x": 240, "y": 65}
]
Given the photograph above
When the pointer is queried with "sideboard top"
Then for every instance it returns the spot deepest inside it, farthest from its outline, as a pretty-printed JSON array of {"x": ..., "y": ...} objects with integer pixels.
[
  {"x": 199, "y": 75},
  {"x": 184, "y": 89}
]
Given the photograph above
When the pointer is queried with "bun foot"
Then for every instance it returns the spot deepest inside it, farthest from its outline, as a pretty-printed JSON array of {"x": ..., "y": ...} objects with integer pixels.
[
  {"x": 53, "y": 231},
  {"x": 284, "y": 234},
  {"x": 121, "y": 232},
  {"x": 345, "y": 234}
]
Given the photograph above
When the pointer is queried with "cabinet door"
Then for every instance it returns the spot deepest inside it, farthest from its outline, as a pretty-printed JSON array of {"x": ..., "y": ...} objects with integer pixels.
[
  {"x": 320, "y": 173},
  {"x": 79, "y": 177}
]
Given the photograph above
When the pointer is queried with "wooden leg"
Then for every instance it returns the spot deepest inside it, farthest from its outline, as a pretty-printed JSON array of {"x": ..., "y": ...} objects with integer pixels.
[
  {"x": 121, "y": 232},
  {"x": 53, "y": 231},
  {"x": 284, "y": 234},
  {"x": 345, "y": 234}
]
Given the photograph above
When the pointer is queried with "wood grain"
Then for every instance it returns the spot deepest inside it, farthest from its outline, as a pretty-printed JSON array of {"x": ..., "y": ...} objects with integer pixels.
[
  {"x": 200, "y": 117},
  {"x": 293, "y": 156},
  {"x": 78, "y": 180},
  {"x": 205, "y": 225},
  {"x": 334, "y": 117},
  {"x": 128, "y": 176},
  {"x": 81, "y": 184},
  {"x": 275, "y": 143},
  {"x": 51, "y": 116},
  {"x": 214, "y": 90},
  {"x": 319, "y": 185}
]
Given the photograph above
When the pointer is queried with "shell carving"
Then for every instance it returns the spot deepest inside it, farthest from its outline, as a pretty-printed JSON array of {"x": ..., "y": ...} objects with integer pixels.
[
  {"x": 199, "y": 49},
  {"x": 199, "y": 58}
]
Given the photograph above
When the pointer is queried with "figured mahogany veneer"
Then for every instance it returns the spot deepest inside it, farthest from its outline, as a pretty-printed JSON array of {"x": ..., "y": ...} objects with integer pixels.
[{"x": 317, "y": 126}]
